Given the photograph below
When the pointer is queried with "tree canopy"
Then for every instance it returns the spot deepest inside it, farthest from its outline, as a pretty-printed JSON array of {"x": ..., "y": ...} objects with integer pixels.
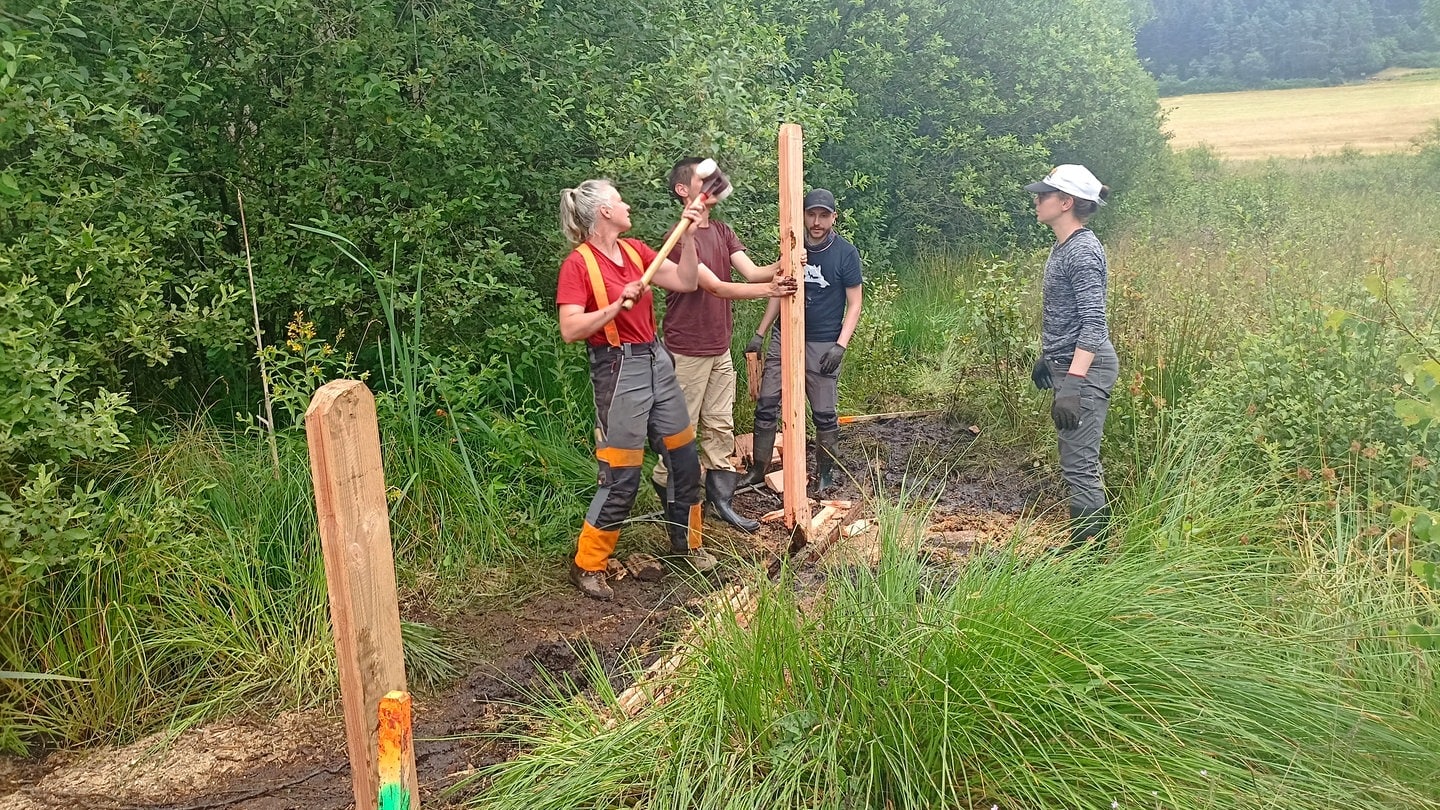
[{"x": 1223, "y": 44}]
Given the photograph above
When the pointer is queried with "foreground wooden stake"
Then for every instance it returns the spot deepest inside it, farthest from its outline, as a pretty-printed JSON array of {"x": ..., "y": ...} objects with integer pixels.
[
  {"x": 360, "y": 572},
  {"x": 792, "y": 330},
  {"x": 395, "y": 747}
]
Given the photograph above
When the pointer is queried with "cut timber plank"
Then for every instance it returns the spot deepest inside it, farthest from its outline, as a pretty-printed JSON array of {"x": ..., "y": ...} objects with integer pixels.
[
  {"x": 792, "y": 326},
  {"x": 359, "y": 571},
  {"x": 754, "y": 370},
  {"x": 656, "y": 685},
  {"x": 825, "y": 533},
  {"x": 744, "y": 449},
  {"x": 776, "y": 482}
]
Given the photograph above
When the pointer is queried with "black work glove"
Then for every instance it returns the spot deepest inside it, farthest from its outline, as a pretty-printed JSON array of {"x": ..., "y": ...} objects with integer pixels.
[
  {"x": 756, "y": 345},
  {"x": 1040, "y": 375},
  {"x": 830, "y": 360},
  {"x": 1065, "y": 412}
]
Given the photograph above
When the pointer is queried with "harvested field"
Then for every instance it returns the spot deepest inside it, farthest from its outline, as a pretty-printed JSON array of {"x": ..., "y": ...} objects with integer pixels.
[{"x": 1384, "y": 114}]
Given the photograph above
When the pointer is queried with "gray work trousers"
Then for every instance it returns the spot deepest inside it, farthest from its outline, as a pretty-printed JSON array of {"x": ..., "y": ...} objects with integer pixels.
[
  {"x": 821, "y": 389},
  {"x": 1080, "y": 446}
]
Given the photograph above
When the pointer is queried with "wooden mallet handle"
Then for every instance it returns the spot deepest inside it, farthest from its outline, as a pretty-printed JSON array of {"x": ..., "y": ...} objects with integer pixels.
[{"x": 716, "y": 186}]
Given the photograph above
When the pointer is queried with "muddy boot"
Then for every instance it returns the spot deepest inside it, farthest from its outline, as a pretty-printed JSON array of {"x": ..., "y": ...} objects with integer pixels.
[
  {"x": 591, "y": 583},
  {"x": 827, "y": 443},
  {"x": 760, "y": 463},
  {"x": 680, "y": 521},
  {"x": 719, "y": 490},
  {"x": 1087, "y": 526}
]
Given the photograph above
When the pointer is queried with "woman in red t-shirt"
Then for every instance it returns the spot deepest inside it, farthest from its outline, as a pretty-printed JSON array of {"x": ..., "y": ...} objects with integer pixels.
[{"x": 636, "y": 394}]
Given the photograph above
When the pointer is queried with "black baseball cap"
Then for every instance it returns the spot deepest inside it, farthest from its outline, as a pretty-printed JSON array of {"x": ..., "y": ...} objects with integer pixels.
[{"x": 820, "y": 198}]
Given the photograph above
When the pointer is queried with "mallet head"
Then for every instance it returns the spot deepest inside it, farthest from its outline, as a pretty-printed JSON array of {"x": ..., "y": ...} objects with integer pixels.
[{"x": 716, "y": 185}]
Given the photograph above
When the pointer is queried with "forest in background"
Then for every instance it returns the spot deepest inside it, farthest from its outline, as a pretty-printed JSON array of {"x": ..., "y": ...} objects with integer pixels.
[{"x": 1202, "y": 46}]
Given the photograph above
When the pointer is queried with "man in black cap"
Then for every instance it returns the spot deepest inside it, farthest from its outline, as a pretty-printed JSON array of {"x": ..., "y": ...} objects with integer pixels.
[{"x": 832, "y": 309}]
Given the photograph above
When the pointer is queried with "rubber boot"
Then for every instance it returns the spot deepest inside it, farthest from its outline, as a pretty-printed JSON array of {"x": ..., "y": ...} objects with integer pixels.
[
  {"x": 827, "y": 444},
  {"x": 719, "y": 490},
  {"x": 1087, "y": 526},
  {"x": 760, "y": 464},
  {"x": 591, "y": 583},
  {"x": 678, "y": 518}
]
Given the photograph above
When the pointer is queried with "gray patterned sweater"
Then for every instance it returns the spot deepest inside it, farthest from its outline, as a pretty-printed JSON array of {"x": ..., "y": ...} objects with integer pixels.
[{"x": 1073, "y": 296}]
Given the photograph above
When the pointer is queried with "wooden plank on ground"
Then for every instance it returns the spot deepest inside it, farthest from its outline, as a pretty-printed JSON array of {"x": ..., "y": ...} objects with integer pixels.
[
  {"x": 354, "y": 520},
  {"x": 827, "y": 527},
  {"x": 744, "y": 450},
  {"x": 792, "y": 327},
  {"x": 877, "y": 417},
  {"x": 776, "y": 482}
]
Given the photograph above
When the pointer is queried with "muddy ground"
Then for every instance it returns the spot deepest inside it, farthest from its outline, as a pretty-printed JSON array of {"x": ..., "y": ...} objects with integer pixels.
[{"x": 977, "y": 493}]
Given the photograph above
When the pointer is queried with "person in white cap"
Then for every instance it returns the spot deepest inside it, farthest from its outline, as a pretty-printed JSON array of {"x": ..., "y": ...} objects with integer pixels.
[{"x": 1077, "y": 359}]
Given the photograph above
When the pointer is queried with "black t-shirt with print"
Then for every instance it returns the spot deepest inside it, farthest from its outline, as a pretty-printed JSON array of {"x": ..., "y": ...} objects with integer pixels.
[{"x": 829, "y": 271}]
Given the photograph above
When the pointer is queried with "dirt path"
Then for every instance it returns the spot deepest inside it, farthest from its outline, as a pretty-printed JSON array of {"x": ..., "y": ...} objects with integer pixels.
[{"x": 979, "y": 492}]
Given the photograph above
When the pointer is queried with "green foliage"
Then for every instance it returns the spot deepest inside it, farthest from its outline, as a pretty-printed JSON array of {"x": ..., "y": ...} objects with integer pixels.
[
  {"x": 201, "y": 590},
  {"x": 421, "y": 148},
  {"x": 877, "y": 373},
  {"x": 952, "y": 115}
]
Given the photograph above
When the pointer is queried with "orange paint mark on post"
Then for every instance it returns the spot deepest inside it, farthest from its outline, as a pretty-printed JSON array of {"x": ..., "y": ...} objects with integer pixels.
[{"x": 395, "y": 747}]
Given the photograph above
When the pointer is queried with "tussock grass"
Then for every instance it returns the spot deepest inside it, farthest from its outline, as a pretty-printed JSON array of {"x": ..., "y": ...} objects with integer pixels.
[
  {"x": 1163, "y": 678},
  {"x": 207, "y": 594}
]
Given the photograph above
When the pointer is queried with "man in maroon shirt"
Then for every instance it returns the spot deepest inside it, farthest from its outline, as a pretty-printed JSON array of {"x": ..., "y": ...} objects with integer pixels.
[{"x": 697, "y": 330}]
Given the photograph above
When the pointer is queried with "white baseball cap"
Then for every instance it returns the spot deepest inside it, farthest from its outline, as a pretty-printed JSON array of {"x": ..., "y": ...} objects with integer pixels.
[{"x": 1071, "y": 178}]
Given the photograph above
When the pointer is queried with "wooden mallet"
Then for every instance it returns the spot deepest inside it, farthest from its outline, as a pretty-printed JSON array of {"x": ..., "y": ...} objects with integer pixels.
[{"x": 716, "y": 187}]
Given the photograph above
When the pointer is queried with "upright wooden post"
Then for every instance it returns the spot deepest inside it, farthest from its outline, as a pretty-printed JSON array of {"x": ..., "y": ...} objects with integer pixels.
[
  {"x": 792, "y": 329},
  {"x": 359, "y": 570}
]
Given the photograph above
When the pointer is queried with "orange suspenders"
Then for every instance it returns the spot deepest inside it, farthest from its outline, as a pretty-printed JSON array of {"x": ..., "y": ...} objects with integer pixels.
[{"x": 602, "y": 298}]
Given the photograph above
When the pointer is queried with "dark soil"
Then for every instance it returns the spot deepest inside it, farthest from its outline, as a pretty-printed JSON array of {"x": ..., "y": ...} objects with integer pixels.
[{"x": 548, "y": 641}]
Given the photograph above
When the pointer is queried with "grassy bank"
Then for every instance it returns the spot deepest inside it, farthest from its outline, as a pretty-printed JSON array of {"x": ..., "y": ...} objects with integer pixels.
[{"x": 1198, "y": 676}]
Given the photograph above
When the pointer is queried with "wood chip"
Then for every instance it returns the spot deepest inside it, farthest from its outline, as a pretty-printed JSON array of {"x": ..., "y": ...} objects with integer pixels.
[
  {"x": 644, "y": 567},
  {"x": 776, "y": 481}
]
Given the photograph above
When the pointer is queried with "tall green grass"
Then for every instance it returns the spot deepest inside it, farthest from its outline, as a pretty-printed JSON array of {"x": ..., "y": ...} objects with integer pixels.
[
  {"x": 204, "y": 593},
  {"x": 1161, "y": 678}
]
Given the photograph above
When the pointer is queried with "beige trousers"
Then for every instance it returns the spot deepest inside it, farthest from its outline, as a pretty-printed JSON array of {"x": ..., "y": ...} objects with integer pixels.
[{"x": 709, "y": 387}]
